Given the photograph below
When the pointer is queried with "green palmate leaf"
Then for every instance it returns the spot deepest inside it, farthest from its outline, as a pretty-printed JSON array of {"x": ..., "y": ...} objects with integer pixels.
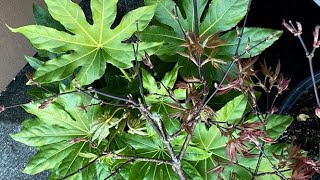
[
  {"x": 141, "y": 142},
  {"x": 49, "y": 157},
  {"x": 159, "y": 98},
  {"x": 63, "y": 131},
  {"x": 151, "y": 148},
  {"x": 75, "y": 161},
  {"x": 210, "y": 141},
  {"x": 102, "y": 170},
  {"x": 222, "y": 15},
  {"x": 256, "y": 36},
  {"x": 101, "y": 127},
  {"x": 168, "y": 81},
  {"x": 167, "y": 35},
  {"x": 29, "y": 123},
  {"x": 213, "y": 141},
  {"x": 154, "y": 148},
  {"x": 87, "y": 46},
  {"x": 232, "y": 111},
  {"x": 105, "y": 168}
]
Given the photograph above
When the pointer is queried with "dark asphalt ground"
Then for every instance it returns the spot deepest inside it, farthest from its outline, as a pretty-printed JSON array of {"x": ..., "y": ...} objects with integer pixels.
[{"x": 14, "y": 155}]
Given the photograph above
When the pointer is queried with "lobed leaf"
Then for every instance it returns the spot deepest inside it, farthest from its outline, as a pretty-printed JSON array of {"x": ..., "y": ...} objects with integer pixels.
[
  {"x": 49, "y": 157},
  {"x": 84, "y": 45}
]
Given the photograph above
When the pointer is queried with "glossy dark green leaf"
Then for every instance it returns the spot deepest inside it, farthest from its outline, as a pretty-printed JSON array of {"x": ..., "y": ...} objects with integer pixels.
[
  {"x": 256, "y": 35},
  {"x": 222, "y": 15},
  {"x": 44, "y": 18}
]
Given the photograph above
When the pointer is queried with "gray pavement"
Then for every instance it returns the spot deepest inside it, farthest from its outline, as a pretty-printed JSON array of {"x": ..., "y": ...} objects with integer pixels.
[{"x": 14, "y": 155}]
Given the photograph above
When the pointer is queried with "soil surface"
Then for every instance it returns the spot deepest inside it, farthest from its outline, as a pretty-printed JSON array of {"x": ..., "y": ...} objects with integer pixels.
[{"x": 305, "y": 129}]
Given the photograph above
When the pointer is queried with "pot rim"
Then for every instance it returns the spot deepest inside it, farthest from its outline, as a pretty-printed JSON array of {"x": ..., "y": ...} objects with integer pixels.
[{"x": 296, "y": 93}]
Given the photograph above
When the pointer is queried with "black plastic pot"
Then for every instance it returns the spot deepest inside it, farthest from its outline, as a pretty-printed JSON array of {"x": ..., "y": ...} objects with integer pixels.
[{"x": 297, "y": 92}]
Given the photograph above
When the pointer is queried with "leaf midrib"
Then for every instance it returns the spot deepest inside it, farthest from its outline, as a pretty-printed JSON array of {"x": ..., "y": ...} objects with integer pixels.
[
  {"x": 63, "y": 40},
  {"x": 79, "y": 25},
  {"x": 213, "y": 24},
  {"x": 74, "y": 158}
]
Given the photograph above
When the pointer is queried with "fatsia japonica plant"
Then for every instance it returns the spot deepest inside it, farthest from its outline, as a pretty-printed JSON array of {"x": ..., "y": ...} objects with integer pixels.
[{"x": 170, "y": 92}]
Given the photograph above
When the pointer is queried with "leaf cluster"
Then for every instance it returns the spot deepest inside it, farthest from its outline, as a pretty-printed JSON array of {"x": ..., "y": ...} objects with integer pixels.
[{"x": 130, "y": 101}]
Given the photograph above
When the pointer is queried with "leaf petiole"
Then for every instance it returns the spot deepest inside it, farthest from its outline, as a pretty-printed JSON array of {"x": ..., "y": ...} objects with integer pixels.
[{"x": 126, "y": 75}]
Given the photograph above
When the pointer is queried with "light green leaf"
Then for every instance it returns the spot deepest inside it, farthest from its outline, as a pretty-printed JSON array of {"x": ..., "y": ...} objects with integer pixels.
[
  {"x": 29, "y": 123},
  {"x": 210, "y": 141},
  {"x": 88, "y": 155},
  {"x": 89, "y": 46},
  {"x": 102, "y": 170},
  {"x": 45, "y": 134},
  {"x": 49, "y": 157},
  {"x": 152, "y": 171},
  {"x": 140, "y": 142},
  {"x": 223, "y": 15},
  {"x": 168, "y": 81},
  {"x": 256, "y": 35},
  {"x": 54, "y": 115},
  {"x": 34, "y": 62},
  {"x": 165, "y": 13},
  {"x": 62, "y": 131},
  {"x": 232, "y": 112},
  {"x": 149, "y": 83},
  {"x": 70, "y": 117},
  {"x": 196, "y": 154},
  {"x": 191, "y": 171},
  {"x": 277, "y": 124},
  {"x": 159, "y": 99},
  {"x": 101, "y": 128},
  {"x": 75, "y": 161},
  {"x": 155, "y": 171}
]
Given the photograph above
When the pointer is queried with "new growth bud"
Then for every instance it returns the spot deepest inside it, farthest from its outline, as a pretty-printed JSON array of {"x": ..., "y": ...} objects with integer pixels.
[
  {"x": 317, "y": 111},
  {"x": 2, "y": 108},
  {"x": 290, "y": 27},
  {"x": 316, "y": 42}
]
